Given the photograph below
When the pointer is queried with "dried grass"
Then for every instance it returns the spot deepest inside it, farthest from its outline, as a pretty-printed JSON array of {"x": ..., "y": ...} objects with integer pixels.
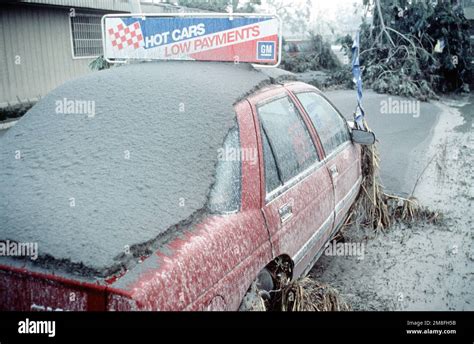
[
  {"x": 378, "y": 210},
  {"x": 307, "y": 294}
]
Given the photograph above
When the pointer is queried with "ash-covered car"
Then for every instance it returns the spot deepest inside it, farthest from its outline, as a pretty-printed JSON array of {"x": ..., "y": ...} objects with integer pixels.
[
  {"x": 177, "y": 193},
  {"x": 175, "y": 187}
]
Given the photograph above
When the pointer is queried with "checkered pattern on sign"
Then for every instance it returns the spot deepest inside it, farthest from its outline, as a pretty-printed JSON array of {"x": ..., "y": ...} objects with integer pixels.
[{"x": 126, "y": 36}]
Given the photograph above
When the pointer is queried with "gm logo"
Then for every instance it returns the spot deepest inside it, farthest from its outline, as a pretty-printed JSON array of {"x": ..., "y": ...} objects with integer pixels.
[{"x": 265, "y": 50}]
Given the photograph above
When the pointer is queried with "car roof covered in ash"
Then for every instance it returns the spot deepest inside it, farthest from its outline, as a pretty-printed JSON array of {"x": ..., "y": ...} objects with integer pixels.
[{"x": 114, "y": 159}]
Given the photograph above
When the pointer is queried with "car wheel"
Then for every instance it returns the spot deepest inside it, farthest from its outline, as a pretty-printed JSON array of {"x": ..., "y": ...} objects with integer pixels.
[{"x": 259, "y": 291}]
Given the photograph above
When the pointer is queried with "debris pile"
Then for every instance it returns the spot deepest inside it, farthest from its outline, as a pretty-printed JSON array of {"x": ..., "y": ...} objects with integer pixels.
[
  {"x": 416, "y": 49},
  {"x": 307, "y": 294},
  {"x": 378, "y": 210}
]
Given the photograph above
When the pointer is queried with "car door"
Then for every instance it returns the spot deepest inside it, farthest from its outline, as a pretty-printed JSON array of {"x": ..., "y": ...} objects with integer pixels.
[
  {"x": 297, "y": 192},
  {"x": 341, "y": 155}
]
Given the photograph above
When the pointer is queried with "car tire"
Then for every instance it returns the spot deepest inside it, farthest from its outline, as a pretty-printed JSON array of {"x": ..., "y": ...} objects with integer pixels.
[{"x": 253, "y": 299}]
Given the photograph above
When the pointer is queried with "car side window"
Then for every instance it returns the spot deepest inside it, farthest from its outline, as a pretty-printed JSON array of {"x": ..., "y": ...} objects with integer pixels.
[
  {"x": 329, "y": 124},
  {"x": 288, "y": 137},
  {"x": 225, "y": 195}
]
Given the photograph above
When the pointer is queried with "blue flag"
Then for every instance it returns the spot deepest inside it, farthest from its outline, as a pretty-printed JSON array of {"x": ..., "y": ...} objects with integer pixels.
[{"x": 356, "y": 72}]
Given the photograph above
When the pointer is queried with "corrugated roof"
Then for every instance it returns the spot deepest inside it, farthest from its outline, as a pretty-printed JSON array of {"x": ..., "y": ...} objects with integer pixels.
[
  {"x": 469, "y": 12},
  {"x": 112, "y": 5}
]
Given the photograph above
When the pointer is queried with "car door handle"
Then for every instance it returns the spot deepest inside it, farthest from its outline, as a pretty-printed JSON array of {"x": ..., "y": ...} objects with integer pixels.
[
  {"x": 334, "y": 171},
  {"x": 286, "y": 212}
]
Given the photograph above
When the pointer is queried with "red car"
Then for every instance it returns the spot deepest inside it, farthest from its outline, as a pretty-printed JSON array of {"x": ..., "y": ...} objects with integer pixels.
[{"x": 286, "y": 177}]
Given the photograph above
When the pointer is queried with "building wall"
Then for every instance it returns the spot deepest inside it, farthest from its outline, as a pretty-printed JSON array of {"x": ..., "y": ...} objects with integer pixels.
[{"x": 35, "y": 52}]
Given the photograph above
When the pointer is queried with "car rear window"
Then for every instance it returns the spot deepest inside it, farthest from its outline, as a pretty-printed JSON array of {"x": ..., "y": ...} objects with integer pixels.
[
  {"x": 288, "y": 137},
  {"x": 329, "y": 124},
  {"x": 225, "y": 196}
]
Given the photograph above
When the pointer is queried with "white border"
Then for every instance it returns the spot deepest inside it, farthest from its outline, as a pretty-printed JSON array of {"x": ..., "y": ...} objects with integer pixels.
[{"x": 221, "y": 15}]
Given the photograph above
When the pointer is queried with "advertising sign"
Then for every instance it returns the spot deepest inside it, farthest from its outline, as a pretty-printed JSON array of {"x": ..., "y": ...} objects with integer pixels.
[{"x": 205, "y": 37}]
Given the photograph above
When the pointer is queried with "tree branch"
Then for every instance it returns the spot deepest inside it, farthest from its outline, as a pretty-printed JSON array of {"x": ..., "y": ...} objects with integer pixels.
[{"x": 382, "y": 24}]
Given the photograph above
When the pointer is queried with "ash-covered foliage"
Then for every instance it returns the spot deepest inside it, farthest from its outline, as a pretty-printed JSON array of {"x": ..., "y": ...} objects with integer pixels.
[
  {"x": 99, "y": 63},
  {"x": 339, "y": 78},
  {"x": 15, "y": 111},
  {"x": 315, "y": 55},
  {"x": 415, "y": 49}
]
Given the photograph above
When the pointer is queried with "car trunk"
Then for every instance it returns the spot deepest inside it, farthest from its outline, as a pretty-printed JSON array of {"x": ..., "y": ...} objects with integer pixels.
[{"x": 25, "y": 290}]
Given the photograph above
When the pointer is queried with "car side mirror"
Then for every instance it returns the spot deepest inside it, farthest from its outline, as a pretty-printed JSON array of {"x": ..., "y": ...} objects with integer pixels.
[{"x": 363, "y": 137}]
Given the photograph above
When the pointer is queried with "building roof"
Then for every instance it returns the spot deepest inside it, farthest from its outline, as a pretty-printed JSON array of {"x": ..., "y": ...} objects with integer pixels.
[
  {"x": 469, "y": 12},
  {"x": 112, "y": 5}
]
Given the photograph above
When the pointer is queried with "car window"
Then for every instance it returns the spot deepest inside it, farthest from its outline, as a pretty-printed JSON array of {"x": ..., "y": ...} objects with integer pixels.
[
  {"x": 288, "y": 137},
  {"x": 272, "y": 178},
  {"x": 330, "y": 126},
  {"x": 225, "y": 196}
]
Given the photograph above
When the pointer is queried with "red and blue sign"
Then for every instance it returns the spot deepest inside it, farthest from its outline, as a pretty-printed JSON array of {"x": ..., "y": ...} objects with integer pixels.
[{"x": 236, "y": 37}]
